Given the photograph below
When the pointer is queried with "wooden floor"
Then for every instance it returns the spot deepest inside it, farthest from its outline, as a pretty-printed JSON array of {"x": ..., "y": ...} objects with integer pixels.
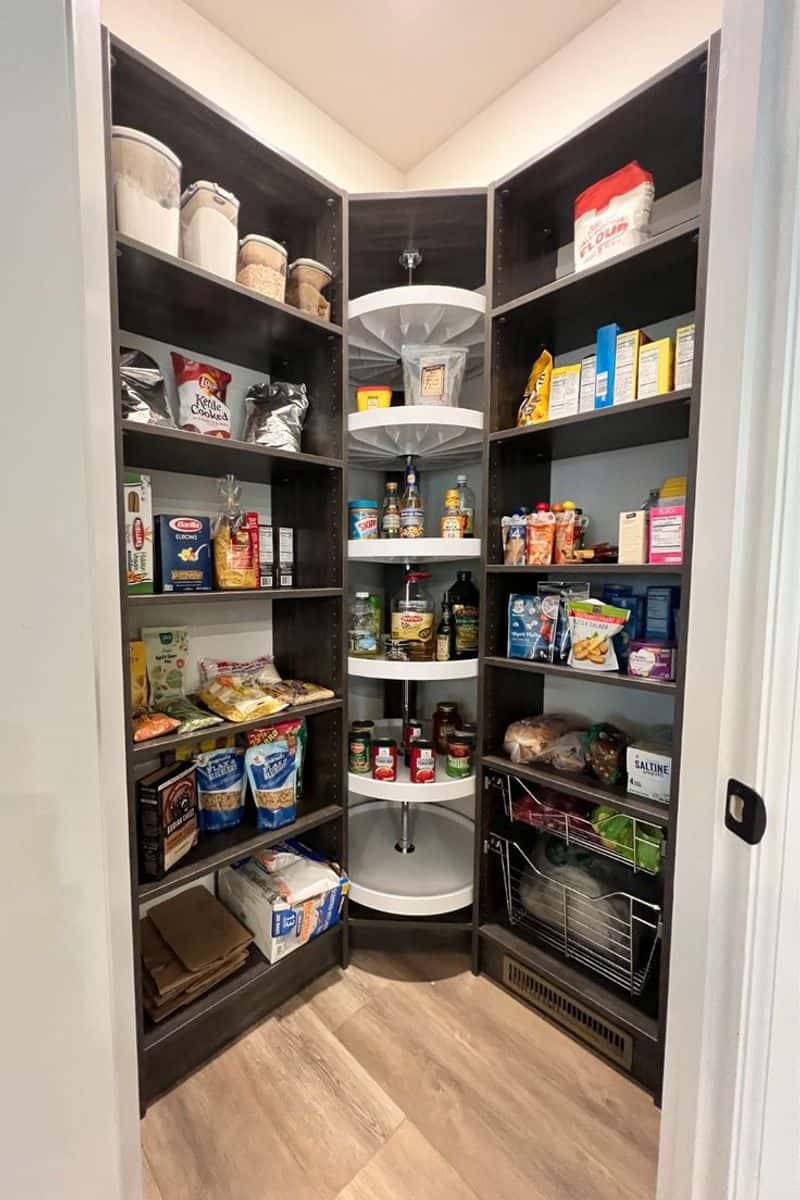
[{"x": 404, "y": 1078}]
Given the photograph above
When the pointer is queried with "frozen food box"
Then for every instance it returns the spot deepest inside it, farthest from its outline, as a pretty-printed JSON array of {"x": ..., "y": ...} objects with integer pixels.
[
  {"x": 183, "y": 554},
  {"x": 288, "y": 907}
]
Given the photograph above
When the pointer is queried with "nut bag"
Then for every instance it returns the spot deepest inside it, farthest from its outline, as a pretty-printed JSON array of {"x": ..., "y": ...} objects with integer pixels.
[{"x": 272, "y": 774}]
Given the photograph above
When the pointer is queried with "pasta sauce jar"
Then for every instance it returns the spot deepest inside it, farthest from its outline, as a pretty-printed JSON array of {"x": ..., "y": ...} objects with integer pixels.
[
  {"x": 422, "y": 767},
  {"x": 384, "y": 759}
]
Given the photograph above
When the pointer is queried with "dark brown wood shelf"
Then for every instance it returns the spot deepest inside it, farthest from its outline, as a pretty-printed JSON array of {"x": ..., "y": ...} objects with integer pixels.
[
  {"x": 644, "y": 258},
  {"x": 157, "y": 745},
  {"x": 583, "y": 787},
  {"x": 588, "y": 569},
  {"x": 615, "y": 678},
  {"x": 155, "y": 448},
  {"x": 246, "y": 594},
  {"x": 172, "y": 300},
  {"x": 640, "y": 423},
  {"x": 590, "y": 989},
  {"x": 216, "y": 850},
  {"x": 254, "y": 973}
]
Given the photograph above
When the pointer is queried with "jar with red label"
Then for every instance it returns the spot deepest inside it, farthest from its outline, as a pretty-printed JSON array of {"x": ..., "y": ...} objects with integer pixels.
[
  {"x": 412, "y": 730},
  {"x": 384, "y": 759},
  {"x": 446, "y": 720},
  {"x": 422, "y": 767}
]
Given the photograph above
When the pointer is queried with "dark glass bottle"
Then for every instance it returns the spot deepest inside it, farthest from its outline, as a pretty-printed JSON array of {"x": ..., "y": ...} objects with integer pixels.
[
  {"x": 444, "y": 633},
  {"x": 464, "y": 605}
]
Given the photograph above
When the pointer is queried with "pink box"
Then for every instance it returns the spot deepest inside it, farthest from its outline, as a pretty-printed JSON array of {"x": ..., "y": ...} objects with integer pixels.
[{"x": 667, "y": 522}]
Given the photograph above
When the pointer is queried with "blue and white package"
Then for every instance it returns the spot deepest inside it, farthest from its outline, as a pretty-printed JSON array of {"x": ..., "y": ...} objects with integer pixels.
[
  {"x": 623, "y": 596},
  {"x": 604, "y": 367},
  {"x": 532, "y": 622},
  {"x": 284, "y": 909},
  {"x": 272, "y": 773},
  {"x": 220, "y": 788}
]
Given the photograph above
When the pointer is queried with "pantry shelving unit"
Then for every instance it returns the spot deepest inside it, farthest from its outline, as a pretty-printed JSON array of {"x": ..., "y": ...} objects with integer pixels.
[
  {"x": 570, "y": 956},
  {"x": 422, "y": 896},
  {"x": 161, "y": 297}
]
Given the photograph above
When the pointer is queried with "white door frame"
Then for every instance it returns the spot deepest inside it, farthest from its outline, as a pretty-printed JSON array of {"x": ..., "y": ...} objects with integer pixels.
[{"x": 731, "y": 1114}]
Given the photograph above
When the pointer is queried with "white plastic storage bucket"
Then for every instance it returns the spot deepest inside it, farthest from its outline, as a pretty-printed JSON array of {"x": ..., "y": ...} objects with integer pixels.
[
  {"x": 147, "y": 188},
  {"x": 210, "y": 228}
]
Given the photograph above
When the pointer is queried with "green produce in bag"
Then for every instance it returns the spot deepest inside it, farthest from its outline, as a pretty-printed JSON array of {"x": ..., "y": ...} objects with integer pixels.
[{"x": 616, "y": 832}]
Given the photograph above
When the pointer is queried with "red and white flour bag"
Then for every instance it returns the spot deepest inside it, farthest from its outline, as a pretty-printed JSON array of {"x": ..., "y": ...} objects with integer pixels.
[
  {"x": 613, "y": 215},
  {"x": 201, "y": 397}
]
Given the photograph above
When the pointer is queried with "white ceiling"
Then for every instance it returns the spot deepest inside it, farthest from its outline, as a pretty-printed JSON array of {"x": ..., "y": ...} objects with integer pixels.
[{"x": 402, "y": 75}]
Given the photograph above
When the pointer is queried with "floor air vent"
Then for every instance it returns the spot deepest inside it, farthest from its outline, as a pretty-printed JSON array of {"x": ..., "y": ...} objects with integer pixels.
[{"x": 574, "y": 1016}]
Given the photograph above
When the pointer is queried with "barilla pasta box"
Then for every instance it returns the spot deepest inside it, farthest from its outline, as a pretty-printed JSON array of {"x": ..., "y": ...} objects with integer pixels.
[
  {"x": 138, "y": 532},
  {"x": 286, "y": 908},
  {"x": 183, "y": 554}
]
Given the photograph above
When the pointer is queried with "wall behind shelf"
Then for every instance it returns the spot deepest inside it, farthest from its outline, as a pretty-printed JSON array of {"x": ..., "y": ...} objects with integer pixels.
[
  {"x": 618, "y": 52},
  {"x": 190, "y": 47}
]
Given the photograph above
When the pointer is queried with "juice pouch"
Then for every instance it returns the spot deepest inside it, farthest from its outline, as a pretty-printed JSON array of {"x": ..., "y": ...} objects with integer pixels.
[
  {"x": 535, "y": 404},
  {"x": 514, "y": 531},
  {"x": 570, "y": 526},
  {"x": 541, "y": 527}
]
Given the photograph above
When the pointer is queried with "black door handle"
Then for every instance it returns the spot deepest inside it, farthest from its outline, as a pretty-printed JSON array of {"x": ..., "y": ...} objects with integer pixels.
[{"x": 745, "y": 812}]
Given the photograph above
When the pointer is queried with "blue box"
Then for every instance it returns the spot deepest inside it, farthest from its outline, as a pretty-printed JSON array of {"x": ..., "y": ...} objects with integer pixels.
[
  {"x": 604, "y": 369},
  {"x": 183, "y": 554},
  {"x": 659, "y": 623}
]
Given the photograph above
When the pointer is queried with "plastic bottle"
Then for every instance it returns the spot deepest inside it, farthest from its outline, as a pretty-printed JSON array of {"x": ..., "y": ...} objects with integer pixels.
[
  {"x": 467, "y": 503},
  {"x": 390, "y": 512},
  {"x": 364, "y": 627},
  {"x": 465, "y": 604},
  {"x": 452, "y": 524},
  {"x": 412, "y": 617},
  {"x": 412, "y": 510}
]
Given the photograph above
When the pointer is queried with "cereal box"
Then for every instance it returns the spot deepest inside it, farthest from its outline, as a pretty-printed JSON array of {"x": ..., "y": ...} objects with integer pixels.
[{"x": 167, "y": 817}]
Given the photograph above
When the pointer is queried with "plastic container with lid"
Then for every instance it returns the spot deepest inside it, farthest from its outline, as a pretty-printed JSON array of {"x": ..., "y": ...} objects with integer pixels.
[
  {"x": 147, "y": 188},
  {"x": 210, "y": 228},
  {"x": 262, "y": 266},
  {"x": 306, "y": 283},
  {"x": 373, "y": 396}
]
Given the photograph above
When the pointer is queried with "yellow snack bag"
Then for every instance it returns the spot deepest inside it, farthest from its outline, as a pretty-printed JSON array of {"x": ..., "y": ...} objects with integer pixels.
[
  {"x": 238, "y": 699},
  {"x": 535, "y": 404}
]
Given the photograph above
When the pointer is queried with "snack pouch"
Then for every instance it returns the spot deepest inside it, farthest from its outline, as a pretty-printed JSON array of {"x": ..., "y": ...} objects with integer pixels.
[
  {"x": 191, "y": 717},
  {"x": 514, "y": 532},
  {"x": 532, "y": 622},
  {"x": 606, "y": 753},
  {"x": 593, "y": 627},
  {"x": 570, "y": 528},
  {"x": 147, "y": 725},
  {"x": 535, "y": 404},
  {"x": 296, "y": 734},
  {"x": 202, "y": 407},
  {"x": 220, "y": 788},
  {"x": 539, "y": 541},
  {"x": 235, "y": 534},
  {"x": 272, "y": 773},
  {"x": 166, "y": 650},
  {"x": 236, "y": 698},
  {"x": 565, "y": 592}
]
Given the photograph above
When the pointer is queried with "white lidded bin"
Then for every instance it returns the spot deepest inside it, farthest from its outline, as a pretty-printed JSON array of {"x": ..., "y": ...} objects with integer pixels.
[
  {"x": 147, "y": 188},
  {"x": 262, "y": 266},
  {"x": 210, "y": 228}
]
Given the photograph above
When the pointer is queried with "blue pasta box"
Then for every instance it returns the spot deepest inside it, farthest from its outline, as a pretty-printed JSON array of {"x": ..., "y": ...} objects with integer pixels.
[
  {"x": 606, "y": 355},
  {"x": 659, "y": 623},
  {"x": 183, "y": 554}
]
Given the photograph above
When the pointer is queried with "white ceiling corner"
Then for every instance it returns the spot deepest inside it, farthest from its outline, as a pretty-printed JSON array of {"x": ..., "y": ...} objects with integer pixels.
[{"x": 402, "y": 75}]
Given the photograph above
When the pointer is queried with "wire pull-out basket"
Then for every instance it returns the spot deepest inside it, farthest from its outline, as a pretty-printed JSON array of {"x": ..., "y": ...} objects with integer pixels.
[
  {"x": 642, "y": 850},
  {"x": 614, "y": 934}
]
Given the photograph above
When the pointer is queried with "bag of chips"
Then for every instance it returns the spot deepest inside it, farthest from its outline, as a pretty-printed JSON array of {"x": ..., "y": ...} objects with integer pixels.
[
  {"x": 593, "y": 627},
  {"x": 202, "y": 407},
  {"x": 144, "y": 398},
  {"x": 190, "y": 717},
  {"x": 275, "y": 415}
]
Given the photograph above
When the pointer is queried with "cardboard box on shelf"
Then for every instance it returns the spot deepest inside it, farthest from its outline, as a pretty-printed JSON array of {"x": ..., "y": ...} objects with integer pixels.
[
  {"x": 606, "y": 358},
  {"x": 266, "y": 557},
  {"x": 633, "y": 537},
  {"x": 655, "y": 369},
  {"x": 285, "y": 557},
  {"x": 588, "y": 375},
  {"x": 667, "y": 523},
  {"x": 650, "y": 770},
  {"x": 565, "y": 387},
  {"x": 138, "y": 496},
  {"x": 684, "y": 356},
  {"x": 183, "y": 553},
  {"x": 626, "y": 364}
]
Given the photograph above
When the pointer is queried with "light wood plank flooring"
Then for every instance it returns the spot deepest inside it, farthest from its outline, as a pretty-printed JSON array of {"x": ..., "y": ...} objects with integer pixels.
[{"x": 403, "y": 1078}]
